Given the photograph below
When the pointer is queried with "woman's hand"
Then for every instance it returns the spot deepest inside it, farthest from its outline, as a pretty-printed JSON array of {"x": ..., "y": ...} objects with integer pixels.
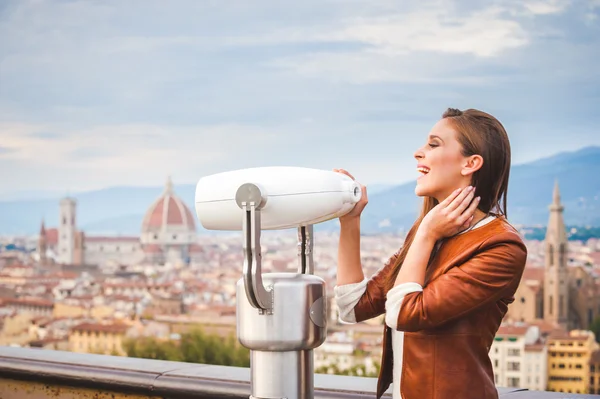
[
  {"x": 360, "y": 205},
  {"x": 450, "y": 216}
]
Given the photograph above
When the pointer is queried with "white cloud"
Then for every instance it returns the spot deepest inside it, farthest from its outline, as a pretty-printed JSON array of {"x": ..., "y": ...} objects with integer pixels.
[
  {"x": 108, "y": 155},
  {"x": 401, "y": 47},
  {"x": 540, "y": 7},
  {"x": 117, "y": 95}
]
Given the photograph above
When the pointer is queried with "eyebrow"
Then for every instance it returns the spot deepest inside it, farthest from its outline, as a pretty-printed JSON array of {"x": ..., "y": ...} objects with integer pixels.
[{"x": 433, "y": 136}]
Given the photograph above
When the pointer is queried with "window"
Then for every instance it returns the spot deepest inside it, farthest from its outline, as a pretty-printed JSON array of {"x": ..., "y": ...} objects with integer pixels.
[
  {"x": 514, "y": 366},
  {"x": 514, "y": 352},
  {"x": 550, "y": 303}
]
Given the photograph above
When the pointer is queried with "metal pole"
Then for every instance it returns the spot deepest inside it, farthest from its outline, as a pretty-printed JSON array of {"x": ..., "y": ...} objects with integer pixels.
[{"x": 283, "y": 323}]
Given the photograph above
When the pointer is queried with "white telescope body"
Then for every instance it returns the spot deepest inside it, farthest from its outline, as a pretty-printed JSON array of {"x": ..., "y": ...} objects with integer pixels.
[
  {"x": 292, "y": 196},
  {"x": 282, "y": 318}
]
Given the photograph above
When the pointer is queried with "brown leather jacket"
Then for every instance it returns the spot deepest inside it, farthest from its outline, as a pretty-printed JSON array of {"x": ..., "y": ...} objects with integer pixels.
[{"x": 450, "y": 326}]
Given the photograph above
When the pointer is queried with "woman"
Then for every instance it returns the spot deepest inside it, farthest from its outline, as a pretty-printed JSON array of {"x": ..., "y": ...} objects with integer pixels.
[{"x": 445, "y": 292}]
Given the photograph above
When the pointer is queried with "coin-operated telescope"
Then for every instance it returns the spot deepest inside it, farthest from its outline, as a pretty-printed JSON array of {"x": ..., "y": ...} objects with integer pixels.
[{"x": 281, "y": 317}]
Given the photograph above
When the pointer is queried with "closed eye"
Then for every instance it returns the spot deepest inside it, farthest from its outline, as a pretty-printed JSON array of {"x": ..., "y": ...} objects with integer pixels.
[{"x": 433, "y": 145}]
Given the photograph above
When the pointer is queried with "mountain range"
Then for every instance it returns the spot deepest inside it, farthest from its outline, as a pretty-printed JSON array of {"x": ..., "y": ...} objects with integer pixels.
[{"x": 119, "y": 210}]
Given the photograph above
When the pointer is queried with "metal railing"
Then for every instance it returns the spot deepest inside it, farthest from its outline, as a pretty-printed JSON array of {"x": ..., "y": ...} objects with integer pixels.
[{"x": 27, "y": 373}]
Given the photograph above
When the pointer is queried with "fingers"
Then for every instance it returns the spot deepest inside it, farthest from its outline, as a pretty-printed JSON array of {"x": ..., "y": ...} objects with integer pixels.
[
  {"x": 345, "y": 172},
  {"x": 462, "y": 201},
  {"x": 467, "y": 215},
  {"x": 467, "y": 224},
  {"x": 450, "y": 198},
  {"x": 463, "y": 198}
]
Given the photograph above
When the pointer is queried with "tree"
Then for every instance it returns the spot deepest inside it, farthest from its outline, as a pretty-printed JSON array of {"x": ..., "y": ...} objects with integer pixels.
[
  {"x": 194, "y": 347},
  {"x": 595, "y": 327}
]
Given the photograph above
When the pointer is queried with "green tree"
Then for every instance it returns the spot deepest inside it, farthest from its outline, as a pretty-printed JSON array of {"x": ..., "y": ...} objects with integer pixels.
[
  {"x": 595, "y": 327},
  {"x": 194, "y": 346}
]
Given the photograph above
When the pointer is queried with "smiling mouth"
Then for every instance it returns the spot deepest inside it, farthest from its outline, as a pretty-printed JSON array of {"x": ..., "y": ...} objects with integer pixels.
[{"x": 423, "y": 171}]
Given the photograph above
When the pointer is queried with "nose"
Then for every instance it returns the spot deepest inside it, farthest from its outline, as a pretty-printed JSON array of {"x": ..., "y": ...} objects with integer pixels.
[{"x": 419, "y": 154}]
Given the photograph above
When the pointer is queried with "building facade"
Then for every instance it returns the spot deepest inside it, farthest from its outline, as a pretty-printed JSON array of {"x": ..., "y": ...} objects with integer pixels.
[
  {"x": 569, "y": 357},
  {"x": 566, "y": 296},
  {"x": 168, "y": 234},
  {"x": 519, "y": 359}
]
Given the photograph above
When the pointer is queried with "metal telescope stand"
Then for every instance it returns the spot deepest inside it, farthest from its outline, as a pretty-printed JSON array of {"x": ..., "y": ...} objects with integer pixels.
[{"x": 282, "y": 318}]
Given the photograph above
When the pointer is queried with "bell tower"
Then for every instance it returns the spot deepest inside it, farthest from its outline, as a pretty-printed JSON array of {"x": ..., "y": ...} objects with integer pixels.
[
  {"x": 43, "y": 245},
  {"x": 66, "y": 230},
  {"x": 556, "y": 281}
]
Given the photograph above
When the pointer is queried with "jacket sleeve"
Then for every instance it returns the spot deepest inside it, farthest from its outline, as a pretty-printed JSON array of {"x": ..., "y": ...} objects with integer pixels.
[
  {"x": 491, "y": 274},
  {"x": 365, "y": 300}
]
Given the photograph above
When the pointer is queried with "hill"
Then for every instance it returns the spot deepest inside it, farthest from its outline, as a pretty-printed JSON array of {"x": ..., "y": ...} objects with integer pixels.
[{"x": 119, "y": 210}]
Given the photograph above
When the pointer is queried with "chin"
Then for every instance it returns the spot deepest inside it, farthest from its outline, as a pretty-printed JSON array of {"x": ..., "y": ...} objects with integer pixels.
[{"x": 421, "y": 191}]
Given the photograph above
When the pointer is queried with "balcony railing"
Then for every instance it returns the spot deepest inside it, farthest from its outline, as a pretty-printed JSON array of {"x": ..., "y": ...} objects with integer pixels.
[{"x": 27, "y": 373}]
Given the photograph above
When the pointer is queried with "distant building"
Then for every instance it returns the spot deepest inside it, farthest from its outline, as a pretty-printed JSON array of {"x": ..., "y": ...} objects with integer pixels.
[
  {"x": 595, "y": 373},
  {"x": 98, "y": 338},
  {"x": 567, "y": 297},
  {"x": 519, "y": 358},
  {"x": 569, "y": 357},
  {"x": 168, "y": 234}
]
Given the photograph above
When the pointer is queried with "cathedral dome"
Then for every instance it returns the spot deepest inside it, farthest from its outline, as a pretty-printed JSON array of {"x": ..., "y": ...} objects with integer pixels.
[{"x": 168, "y": 220}]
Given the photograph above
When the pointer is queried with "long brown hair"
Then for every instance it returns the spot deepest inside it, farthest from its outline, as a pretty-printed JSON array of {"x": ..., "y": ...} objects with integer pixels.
[{"x": 478, "y": 133}]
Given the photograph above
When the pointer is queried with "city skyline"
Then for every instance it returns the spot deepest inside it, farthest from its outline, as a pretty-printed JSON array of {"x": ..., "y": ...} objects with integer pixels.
[{"x": 107, "y": 94}]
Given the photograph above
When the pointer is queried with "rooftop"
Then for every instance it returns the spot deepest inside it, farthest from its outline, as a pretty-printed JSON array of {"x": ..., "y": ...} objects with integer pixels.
[{"x": 34, "y": 373}]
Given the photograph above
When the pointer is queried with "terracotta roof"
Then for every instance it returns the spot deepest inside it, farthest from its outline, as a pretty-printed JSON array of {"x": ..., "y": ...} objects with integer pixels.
[
  {"x": 52, "y": 236},
  {"x": 152, "y": 249},
  {"x": 534, "y": 347},
  {"x": 195, "y": 248},
  {"x": 547, "y": 327},
  {"x": 168, "y": 210},
  {"x": 595, "y": 258},
  {"x": 29, "y": 302},
  {"x": 512, "y": 330},
  {"x": 564, "y": 336},
  {"x": 108, "y": 328},
  {"x": 533, "y": 273}
]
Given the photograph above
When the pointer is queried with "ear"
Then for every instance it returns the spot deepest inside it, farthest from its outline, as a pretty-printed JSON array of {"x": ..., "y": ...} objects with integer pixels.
[{"x": 471, "y": 165}]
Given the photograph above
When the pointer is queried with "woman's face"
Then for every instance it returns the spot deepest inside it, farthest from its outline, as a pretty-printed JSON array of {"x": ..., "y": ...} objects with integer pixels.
[{"x": 440, "y": 163}]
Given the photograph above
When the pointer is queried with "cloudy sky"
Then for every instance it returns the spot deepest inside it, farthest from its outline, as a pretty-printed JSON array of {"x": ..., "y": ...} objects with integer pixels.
[{"x": 103, "y": 93}]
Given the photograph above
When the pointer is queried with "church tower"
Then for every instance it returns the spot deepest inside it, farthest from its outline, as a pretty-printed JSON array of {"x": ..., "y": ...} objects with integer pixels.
[
  {"x": 66, "y": 231},
  {"x": 42, "y": 245},
  {"x": 556, "y": 281}
]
